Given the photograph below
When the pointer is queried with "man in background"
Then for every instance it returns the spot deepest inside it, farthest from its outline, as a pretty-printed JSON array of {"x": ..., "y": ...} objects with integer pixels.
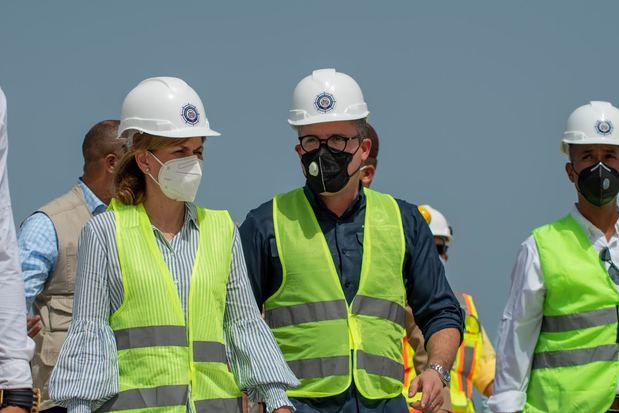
[{"x": 48, "y": 249}]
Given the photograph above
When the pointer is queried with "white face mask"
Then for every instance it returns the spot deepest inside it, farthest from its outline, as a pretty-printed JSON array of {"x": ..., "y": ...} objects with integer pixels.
[{"x": 179, "y": 179}]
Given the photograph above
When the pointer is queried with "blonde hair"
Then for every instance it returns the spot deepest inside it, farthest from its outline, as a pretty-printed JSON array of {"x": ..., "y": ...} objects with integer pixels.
[{"x": 129, "y": 180}]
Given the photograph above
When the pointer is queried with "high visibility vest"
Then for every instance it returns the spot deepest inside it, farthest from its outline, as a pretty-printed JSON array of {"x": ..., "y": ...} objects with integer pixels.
[
  {"x": 315, "y": 327},
  {"x": 467, "y": 359},
  {"x": 408, "y": 353},
  {"x": 575, "y": 366},
  {"x": 160, "y": 357}
]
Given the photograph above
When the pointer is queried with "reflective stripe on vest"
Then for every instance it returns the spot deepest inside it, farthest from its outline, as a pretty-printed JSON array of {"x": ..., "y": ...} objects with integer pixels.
[
  {"x": 145, "y": 398},
  {"x": 159, "y": 357},
  {"x": 306, "y": 313},
  {"x": 579, "y": 328},
  {"x": 309, "y": 316},
  {"x": 467, "y": 358},
  {"x": 587, "y": 319}
]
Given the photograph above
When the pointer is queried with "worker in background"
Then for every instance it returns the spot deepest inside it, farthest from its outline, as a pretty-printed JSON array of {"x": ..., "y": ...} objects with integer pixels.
[
  {"x": 48, "y": 249},
  {"x": 335, "y": 264},
  {"x": 164, "y": 316},
  {"x": 475, "y": 362},
  {"x": 476, "y": 359},
  {"x": 16, "y": 348},
  {"x": 557, "y": 348}
]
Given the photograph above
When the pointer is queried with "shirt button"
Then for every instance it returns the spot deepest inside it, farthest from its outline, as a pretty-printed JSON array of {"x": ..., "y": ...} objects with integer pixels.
[{"x": 347, "y": 284}]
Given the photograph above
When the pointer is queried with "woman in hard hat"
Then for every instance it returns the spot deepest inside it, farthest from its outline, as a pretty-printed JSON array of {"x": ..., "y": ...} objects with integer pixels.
[{"x": 164, "y": 317}]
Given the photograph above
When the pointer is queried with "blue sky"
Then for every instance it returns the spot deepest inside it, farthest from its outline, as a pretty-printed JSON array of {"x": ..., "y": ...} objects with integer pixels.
[{"x": 470, "y": 100}]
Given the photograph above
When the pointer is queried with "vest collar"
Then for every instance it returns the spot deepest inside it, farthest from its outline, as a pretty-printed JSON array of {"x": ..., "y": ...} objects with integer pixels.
[
  {"x": 594, "y": 234},
  {"x": 319, "y": 207}
]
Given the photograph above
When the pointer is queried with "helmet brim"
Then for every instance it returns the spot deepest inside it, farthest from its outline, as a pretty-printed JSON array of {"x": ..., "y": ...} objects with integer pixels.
[
  {"x": 565, "y": 143},
  {"x": 323, "y": 118},
  {"x": 176, "y": 134}
]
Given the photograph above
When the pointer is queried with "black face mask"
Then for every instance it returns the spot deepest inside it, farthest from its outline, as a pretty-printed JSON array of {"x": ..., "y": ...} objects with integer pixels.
[
  {"x": 598, "y": 184},
  {"x": 326, "y": 171}
]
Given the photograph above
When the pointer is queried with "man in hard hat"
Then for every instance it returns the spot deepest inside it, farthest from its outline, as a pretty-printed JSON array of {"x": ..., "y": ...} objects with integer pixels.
[
  {"x": 557, "y": 348},
  {"x": 48, "y": 247},
  {"x": 16, "y": 349},
  {"x": 475, "y": 362},
  {"x": 335, "y": 264}
]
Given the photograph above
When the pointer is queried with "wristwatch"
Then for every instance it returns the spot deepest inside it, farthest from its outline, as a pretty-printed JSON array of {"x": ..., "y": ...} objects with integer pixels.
[
  {"x": 27, "y": 399},
  {"x": 442, "y": 372}
]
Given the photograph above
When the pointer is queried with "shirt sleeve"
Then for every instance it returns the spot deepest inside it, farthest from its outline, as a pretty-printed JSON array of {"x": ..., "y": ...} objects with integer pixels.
[
  {"x": 86, "y": 374},
  {"x": 519, "y": 330},
  {"x": 253, "y": 354},
  {"x": 16, "y": 348},
  {"x": 433, "y": 302},
  {"x": 257, "y": 236},
  {"x": 484, "y": 374},
  {"x": 38, "y": 253}
]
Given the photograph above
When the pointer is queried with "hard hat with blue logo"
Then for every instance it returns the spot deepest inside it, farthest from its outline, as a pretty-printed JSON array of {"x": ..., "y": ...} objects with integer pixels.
[
  {"x": 164, "y": 106},
  {"x": 326, "y": 96},
  {"x": 593, "y": 123}
]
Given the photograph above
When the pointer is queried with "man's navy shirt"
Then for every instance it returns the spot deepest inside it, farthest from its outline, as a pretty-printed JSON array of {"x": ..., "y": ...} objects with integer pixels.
[{"x": 434, "y": 305}]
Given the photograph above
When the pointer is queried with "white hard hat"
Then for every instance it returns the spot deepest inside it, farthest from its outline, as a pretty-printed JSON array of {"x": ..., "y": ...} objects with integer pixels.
[
  {"x": 594, "y": 123},
  {"x": 326, "y": 96},
  {"x": 164, "y": 106},
  {"x": 437, "y": 222}
]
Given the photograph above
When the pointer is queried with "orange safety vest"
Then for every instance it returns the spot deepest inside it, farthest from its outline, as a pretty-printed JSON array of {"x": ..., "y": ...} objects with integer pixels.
[{"x": 409, "y": 372}]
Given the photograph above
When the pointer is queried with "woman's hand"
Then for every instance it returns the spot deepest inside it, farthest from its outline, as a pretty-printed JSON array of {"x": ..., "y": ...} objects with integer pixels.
[{"x": 285, "y": 409}]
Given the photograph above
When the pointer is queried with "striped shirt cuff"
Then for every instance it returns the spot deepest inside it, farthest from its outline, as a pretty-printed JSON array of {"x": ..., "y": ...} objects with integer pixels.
[
  {"x": 274, "y": 396},
  {"x": 78, "y": 406}
]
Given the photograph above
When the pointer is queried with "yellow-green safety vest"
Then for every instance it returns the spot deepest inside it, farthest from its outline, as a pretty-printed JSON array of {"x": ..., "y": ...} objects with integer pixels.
[
  {"x": 315, "y": 327},
  {"x": 575, "y": 366},
  {"x": 161, "y": 359}
]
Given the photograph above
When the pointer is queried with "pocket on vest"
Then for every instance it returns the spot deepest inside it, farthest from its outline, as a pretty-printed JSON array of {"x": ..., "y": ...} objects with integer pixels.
[
  {"x": 60, "y": 313},
  {"x": 51, "y": 344}
]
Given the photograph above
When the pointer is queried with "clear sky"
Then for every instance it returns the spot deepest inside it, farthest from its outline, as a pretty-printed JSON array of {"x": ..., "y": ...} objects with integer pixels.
[{"x": 470, "y": 100}]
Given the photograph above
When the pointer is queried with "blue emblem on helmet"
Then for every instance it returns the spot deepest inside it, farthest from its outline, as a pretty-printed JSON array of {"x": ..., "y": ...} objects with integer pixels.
[
  {"x": 604, "y": 127},
  {"x": 324, "y": 102},
  {"x": 190, "y": 114}
]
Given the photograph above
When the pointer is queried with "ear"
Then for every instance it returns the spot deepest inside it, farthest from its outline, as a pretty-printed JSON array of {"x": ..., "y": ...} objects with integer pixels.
[
  {"x": 110, "y": 162},
  {"x": 366, "y": 145},
  {"x": 367, "y": 175},
  {"x": 142, "y": 160},
  {"x": 571, "y": 174}
]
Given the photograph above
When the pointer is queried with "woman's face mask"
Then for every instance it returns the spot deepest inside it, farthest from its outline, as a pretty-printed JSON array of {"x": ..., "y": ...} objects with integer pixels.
[{"x": 179, "y": 179}]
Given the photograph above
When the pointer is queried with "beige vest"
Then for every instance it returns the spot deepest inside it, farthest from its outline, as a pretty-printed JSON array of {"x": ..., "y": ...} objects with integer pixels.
[{"x": 68, "y": 213}]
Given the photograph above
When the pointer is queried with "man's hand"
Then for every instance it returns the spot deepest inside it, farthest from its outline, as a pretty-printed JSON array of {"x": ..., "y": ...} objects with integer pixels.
[
  {"x": 431, "y": 387},
  {"x": 284, "y": 409},
  {"x": 34, "y": 325},
  {"x": 13, "y": 409}
]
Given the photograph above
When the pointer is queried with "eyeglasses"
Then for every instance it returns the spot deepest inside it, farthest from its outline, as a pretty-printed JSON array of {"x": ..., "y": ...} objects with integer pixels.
[
  {"x": 335, "y": 143},
  {"x": 442, "y": 248},
  {"x": 613, "y": 271}
]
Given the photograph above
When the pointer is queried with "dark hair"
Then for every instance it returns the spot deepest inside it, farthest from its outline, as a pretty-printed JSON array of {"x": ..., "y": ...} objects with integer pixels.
[
  {"x": 373, "y": 136},
  {"x": 101, "y": 140}
]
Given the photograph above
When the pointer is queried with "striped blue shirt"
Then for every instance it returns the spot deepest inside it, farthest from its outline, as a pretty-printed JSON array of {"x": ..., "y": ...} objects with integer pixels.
[
  {"x": 86, "y": 374},
  {"x": 38, "y": 246}
]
